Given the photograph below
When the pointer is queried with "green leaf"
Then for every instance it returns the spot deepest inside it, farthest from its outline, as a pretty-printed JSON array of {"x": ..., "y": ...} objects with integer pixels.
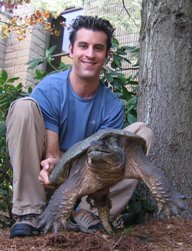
[
  {"x": 132, "y": 82},
  {"x": 20, "y": 86},
  {"x": 3, "y": 192},
  {"x": 115, "y": 42},
  {"x": 38, "y": 73},
  {"x": 2, "y": 128},
  {"x": 34, "y": 63},
  {"x": 120, "y": 51},
  {"x": 22, "y": 94},
  {"x": 132, "y": 49},
  {"x": 109, "y": 77},
  {"x": 29, "y": 90},
  {"x": 63, "y": 67},
  {"x": 126, "y": 59},
  {"x": 2, "y": 82},
  {"x": 131, "y": 118},
  {"x": 113, "y": 65},
  {"x": 126, "y": 94},
  {"x": 50, "y": 51},
  {"x": 12, "y": 80},
  {"x": 132, "y": 101},
  {"x": 136, "y": 64},
  {"x": 49, "y": 60},
  {"x": 117, "y": 59},
  {"x": 4, "y": 75}
]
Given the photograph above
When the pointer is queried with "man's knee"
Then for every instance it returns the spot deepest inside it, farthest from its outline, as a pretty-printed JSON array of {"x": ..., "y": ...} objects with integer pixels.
[
  {"x": 23, "y": 105},
  {"x": 144, "y": 131},
  {"x": 21, "y": 109}
]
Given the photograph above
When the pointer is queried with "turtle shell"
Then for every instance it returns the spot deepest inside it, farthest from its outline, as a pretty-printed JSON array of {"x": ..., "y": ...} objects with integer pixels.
[{"x": 61, "y": 170}]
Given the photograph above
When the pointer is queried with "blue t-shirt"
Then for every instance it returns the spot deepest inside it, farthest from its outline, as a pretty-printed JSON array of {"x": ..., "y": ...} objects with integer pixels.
[{"x": 75, "y": 118}]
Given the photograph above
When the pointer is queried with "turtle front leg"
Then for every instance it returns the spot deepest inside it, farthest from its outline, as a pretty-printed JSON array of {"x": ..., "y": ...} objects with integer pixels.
[
  {"x": 103, "y": 204},
  {"x": 138, "y": 166},
  {"x": 81, "y": 181},
  {"x": 58, "y": 209}
]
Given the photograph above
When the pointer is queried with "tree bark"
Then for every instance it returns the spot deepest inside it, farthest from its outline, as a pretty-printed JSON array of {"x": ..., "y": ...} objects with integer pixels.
[{"x": 165, "y": 86}]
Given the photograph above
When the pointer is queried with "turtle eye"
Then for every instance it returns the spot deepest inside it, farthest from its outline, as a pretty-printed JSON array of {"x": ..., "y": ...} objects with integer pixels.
[
  {"x": 96, "y": 145},
  {"x": 112, "y": 142}
]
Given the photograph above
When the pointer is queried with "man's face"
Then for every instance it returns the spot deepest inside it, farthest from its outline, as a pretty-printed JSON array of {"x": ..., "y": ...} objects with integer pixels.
[{"x": 89, "y": 53}]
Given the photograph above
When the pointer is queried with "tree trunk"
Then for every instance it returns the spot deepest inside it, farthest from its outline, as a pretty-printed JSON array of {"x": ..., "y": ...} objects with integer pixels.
[{"x": 165, "y": 88}]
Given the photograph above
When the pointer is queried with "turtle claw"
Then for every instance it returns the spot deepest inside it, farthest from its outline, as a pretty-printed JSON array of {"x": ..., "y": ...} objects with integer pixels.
[
  {"x": 48, "y": 220},
  {"x": 45, "y": 226},
  {"x": 56, "y": 227},
  {"x": 172, "y": 207}
]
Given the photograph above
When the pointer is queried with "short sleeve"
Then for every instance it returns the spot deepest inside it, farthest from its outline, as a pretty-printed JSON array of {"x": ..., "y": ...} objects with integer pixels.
[
  {"x": 47, "y": 96},
  {"x": 114, "y": 113}
]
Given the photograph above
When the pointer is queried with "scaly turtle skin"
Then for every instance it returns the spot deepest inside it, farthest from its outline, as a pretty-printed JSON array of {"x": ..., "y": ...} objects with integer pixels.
[{"x": 93, "y": 165}]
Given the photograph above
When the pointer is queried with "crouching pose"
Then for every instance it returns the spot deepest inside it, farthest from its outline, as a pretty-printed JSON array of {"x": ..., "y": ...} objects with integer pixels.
[{"x": 63, "y": 109}]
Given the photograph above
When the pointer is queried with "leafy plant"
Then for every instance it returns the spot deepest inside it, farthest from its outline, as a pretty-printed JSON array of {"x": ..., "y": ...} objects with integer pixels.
[
  {"x": 48, "y": 58},
  {"x": 115, "y": 76}
]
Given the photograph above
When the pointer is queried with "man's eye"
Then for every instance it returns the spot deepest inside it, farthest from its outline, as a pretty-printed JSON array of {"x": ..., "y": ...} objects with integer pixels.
[
  {"x": 98, "y": 48},
  {"x": 83, "y": 46}
]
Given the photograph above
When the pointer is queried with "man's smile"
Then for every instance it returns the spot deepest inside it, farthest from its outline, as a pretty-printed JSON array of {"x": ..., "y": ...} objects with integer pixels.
[{"x": 88, "y": 62}]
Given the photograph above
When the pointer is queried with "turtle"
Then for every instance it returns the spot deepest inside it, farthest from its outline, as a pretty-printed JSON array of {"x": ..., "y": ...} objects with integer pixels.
[{"x": 93, "y": 165}]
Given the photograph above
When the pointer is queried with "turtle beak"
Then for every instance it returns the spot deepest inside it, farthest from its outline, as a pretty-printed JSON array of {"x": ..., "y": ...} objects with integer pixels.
[
  {"x": 105, "y": 152},
  {"x": 97, "y": 151}
]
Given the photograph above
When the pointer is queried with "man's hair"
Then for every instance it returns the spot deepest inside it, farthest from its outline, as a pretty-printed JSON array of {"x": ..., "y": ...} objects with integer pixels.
[{"x": 92, "y": 23}]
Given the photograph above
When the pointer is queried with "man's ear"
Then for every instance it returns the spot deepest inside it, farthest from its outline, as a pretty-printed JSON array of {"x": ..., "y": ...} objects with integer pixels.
[
  {"x": 108, "y": 53},
  {"x": 70, "y": 50}
]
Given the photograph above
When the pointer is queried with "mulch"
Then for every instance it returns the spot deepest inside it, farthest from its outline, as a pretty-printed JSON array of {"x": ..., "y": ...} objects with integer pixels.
[{"x": 155, "y": 235}]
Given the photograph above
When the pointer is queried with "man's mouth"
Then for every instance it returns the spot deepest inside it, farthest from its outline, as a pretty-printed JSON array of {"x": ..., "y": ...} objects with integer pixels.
[{"x": 90, "y": 63}]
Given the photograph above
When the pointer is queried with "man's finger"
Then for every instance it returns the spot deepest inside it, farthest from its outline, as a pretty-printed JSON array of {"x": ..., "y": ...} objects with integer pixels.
[{"x": 44, "y": 177}]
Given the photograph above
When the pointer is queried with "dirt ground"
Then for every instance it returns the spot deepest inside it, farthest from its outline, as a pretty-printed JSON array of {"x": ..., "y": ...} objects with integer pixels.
[{"x": 157, "y": 235}]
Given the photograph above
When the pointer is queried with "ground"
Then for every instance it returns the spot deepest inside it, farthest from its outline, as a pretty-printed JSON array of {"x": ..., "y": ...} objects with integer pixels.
[{"x": 157, "y": 235}]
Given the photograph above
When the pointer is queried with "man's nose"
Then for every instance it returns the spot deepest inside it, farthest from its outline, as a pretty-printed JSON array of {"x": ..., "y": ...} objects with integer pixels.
[{"x": 90, "y": 52}]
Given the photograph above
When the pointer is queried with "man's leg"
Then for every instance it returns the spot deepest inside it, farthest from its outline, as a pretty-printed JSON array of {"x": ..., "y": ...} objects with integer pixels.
[
  {"x": 122, "y": 192},
  {"x": 26, "y": 146}
]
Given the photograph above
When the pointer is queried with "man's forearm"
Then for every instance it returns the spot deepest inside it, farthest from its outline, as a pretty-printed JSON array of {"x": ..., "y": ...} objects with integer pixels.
[{"x": 53, "y": 150}]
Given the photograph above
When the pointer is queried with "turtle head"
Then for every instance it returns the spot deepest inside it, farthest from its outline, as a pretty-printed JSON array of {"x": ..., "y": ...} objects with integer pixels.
[{"x": 106, "y": 156}]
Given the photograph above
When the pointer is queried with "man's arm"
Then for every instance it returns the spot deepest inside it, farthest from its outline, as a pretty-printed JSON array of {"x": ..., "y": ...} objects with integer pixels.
[
  {"x": 115, "y": 116},
  {"x": 52, "y": 157}
]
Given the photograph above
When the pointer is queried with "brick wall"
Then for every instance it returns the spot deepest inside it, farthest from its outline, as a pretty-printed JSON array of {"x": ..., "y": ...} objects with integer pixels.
[
  {"x": 18, "y": 53},
  {"x": 2, "y": 52},
  {"x": 3, "y": 44}
]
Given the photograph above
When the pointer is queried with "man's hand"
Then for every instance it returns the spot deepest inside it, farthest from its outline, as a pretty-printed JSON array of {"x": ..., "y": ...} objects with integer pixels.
[{"x": 47, "y": 167}]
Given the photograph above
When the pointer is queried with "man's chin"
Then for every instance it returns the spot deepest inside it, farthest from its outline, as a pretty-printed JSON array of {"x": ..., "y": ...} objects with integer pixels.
[{"x": 89, "y": 75}]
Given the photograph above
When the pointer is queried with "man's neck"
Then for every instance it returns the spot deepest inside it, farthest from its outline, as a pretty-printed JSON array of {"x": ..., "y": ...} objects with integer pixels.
[{"x": 84, "y": 88}]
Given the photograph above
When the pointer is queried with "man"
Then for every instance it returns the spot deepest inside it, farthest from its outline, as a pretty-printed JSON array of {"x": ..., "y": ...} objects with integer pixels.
[{"x": 63, "y": 109}]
